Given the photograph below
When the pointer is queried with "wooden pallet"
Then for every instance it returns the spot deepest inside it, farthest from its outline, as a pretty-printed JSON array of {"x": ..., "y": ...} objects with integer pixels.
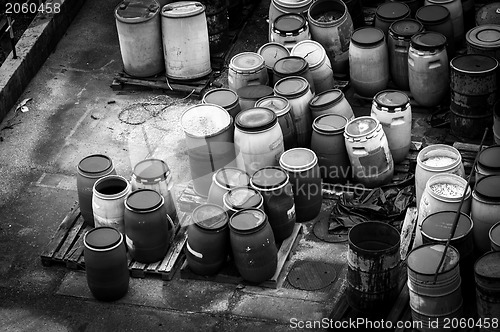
[
  {"x": 229, "y": 273},
  {"x": 66, "y": 248}
]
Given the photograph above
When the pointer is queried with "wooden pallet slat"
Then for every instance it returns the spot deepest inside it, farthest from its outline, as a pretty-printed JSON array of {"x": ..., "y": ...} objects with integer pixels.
[{"x": 70, "y": 239}]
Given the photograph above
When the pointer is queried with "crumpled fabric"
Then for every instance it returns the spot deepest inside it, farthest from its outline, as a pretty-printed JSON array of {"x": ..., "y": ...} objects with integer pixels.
[{"x": 386, "y": 204}]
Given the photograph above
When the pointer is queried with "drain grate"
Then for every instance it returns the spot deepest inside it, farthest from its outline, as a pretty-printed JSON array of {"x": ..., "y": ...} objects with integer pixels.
[{"x": 311, "y": 275}]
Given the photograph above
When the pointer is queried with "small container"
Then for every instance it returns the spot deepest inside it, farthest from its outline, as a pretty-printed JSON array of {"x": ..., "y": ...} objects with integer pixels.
[
  {"x": 488, "y": 162},
  {"x": 241, "y": 198},
  {"x": 224, "y": 180},
  {"x": 390, "y": 12},
  {"x": 226, "y": 98},
  {"x": 249, "y": 94},
  {"x": 293, "y": 66},
  {"x": 289, "y": 29},
  {"x": 330, "y": 102},
  {"x": 247, "y": 68},
  {"x": 272, "y": 52}
]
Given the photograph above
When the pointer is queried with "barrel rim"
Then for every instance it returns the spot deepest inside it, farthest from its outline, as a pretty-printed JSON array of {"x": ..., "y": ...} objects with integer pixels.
[
  {"x": 333, "y": 131},
  {"x": 232, "y": 104},
  {"x": 315, "y": 22},
  {"x": 480, "y": 259},
  {"x": 224, "y": 186},
  {"x": 198, "y": 223},
  {"x": 484, "y": 166},
  {"x": 122, "y": 193},
  {"x": 433, "y": 147},
  {"x": 477, "y": 195},
  {"x": 318, "y": 46},
  {"x": 299, "y": 93},
  {"x": 230, "y": 208},
  {"x": 109, "y": 248},
  {"x": 158, "y": 205},
  {"x": 368, "y": 134},
  {"x": 423, "y": 47},
  {"x": 154, "y": 179},
  {"x": 492, "y": 228},
  {"x": 293, "y": 4},
  {"x": 97, "y": 173},
  {"x": 463, "y": 71},
  {"x": 270, "y": 188},
  {"x": 138, "y": 20},
  {"x": 332, "y": 102},
  {"x": 279, "y": 113},
  {"x": 392, "y": 4},
  {"x": 432, "y": 8},
  {"x": 297, "y": 169},
  {"x": 388, "y": 226},
  {"x": 227, "y": 115},
  {"x": 471, "y": 37},
  {"x": 301, "y": 70},
  {"x": 442, "y": 271},
  {"x": 398, "y": 35},
  {"x": 247, "y": 70},
  {"x": 165, "y": 9},
  {"x": 391, "y": 108},
  {"x": 455, "y": 238},
  {"x": 250, "y": 230},
  {"x": 378, "y": 41},
  {"x": 272, "y": 122},
  {"x": 291, "y": 32},
  {"x": 446, "y": 176}
]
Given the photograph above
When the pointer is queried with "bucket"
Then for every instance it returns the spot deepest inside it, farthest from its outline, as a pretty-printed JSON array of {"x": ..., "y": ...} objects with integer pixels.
[
  {"x": 185, "y": 40},
  {"x": 484, "y": 39},
  {"x": 390, "y": 12},
  {"x": 331, "y": 26},
  {"x": 280, "y": 7},
  {"x": 246, "y": 68},
  {"x": 473, "y": 85},
  {"x": 437, "y": 18},
  {"x": 434, "y": 303},
  {"x": 368, "y": 150},
  {"x": 330, "y": 101},
  {"x": 392, "y": 108},
  {"x": 139, "y": 34},
  {"x": 485, "y": 210},
  {"x": 224, "y": 180},
  {"x": 106, "y": 264},
  {"x": 241, "y": 198},
  {"x": 108, "y": 196},
  {"x": 209, "y": 138},
  {"x": 248, "y": 95},
  {"x": 289, "y": 29},
  {"x": 293, "y": 66},
  {"x": 368, "y": 61},
  {"x": 488, "y": 14},
  {"x": 488, "y": 162},
  {"x": 456, "y": 15},
  {"x": 90, "y": 169},
  {"x": 272, "y": 52},
  {"x": 494, "y": 235},
  {"x": 373, "y": 260},
  {"x": 319, "y": 64},
  {"x": 487, "y": 275},
  {"x": 217, "y": 23},
  {"x": 226, "y": 98}
]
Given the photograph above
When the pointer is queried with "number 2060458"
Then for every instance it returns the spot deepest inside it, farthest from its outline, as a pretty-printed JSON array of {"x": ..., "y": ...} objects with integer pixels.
[{"x": 32, "y": 8}]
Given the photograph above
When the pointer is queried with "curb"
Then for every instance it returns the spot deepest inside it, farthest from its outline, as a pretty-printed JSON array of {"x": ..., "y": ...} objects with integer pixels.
[{"x": 33, "y": 48}]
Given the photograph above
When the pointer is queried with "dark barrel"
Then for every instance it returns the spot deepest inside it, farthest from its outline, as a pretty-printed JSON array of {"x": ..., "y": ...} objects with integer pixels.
[{"x": 217, "y": 21}]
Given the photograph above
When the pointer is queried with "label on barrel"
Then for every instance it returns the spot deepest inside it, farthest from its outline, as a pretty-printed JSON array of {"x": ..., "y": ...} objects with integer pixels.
[
  {"x": 194, "y": 253},
  {"x": 291, "y": 212}
]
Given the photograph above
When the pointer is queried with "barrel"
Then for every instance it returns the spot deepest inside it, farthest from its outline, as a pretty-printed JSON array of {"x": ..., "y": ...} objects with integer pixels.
[
  {"x": 485, "y": 210},
  {"x": 106, "y": 265},
  {"x": 208, "y": 239},
  {"x": 331, "y": 26},
  {"x": 457, "y": 17},
  {"x": 433, "y": 304},
  {"x": 368, "y": 61},
  {"x": 272, "y": 52},
  {"x": 139, "y": 33},
  {"x": 148, "y": 229},
  {"x": 273, "y": 183},
  {"x": 209, "y": 133},
  {"x": 487, "y": 277},
  {"x": 246, "y": 68},
  {"x": 434, "y": 159},
  {"x": 355, "y": 9},
  {"x": 368, "y": 151},
  {"x": 293, "y": 66},
  {"x": 496, "y": 122},
  {"x": 428, "y": 68},
  {"x": 296, "y": 90},
  {"x": 280, "y": 7},
  {"x": 437, "y": 18},
  {"x": 319, "y": 64},
  {"x": 330, "y": 101},
  {"x": 373, "y": 261},
  {"x": 488, "y": 162},
  {"x": 155, "y": 174},
  {"x": 108, "y": 196},
  {"x": 258, "y": 140},
  {"x": 398, "y": 43},
  {"x": 249, "y": 94},
  {"x": 216, "y": 13},
  {"x": 305, "y": 177},
  {"x": 414, "y": 5},
  {"x": 235, "y": 14},
  {"x": 241, "y": 198},
  {"x": 283, "y": 110},
  {"x": 390, "y": 12},
  {"x": 473, "y": 85},
  {"x": 226, "y": 98},
  {"x": 327, "y": 142},
  {"x": 469, "y": 14},
  {"x": 494, "y": 235},
  {"x": 186, "y": 51},
  {"x": 90, "y": 169},
  {"x": 488, "y": 14},
  {"x": 224, "y": 180},
  {"x": 484, "y": 39},
  {"x": 289, "y": 29},
  {"x": 253, "y": 245}
]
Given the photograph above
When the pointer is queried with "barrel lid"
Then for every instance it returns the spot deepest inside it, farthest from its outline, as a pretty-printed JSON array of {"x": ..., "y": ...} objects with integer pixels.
[
  {"x": 487, "y": 187},
  {"x": 326, "y": 98},
  {"x": 361, "y": 126},
  {"x": 367, "y": 36},
  {"x": 298, "y": 159},
  {"x": 474, "y": 63},
  {"x": 330, "y": 123},
  {"x": 437, "y": 226},
  {"x": 293, "y": 3},
  {"x": 310, "y": 50},
  {"x": 279, "y": 105},
  {"x": 96, "y": 163},
  {"x": 392, "y": 100},
  {"x": 432, "y": 14},
  {"x": 136, "y": 11},
  {"x": 230, "y": 177},
  {"x": 210, "y": 216},
  {"x": 205, "y": 120},
  {"x": 248, "y": 219},
  {"x": 242, "y": 198},
  {"x": 490, "y": 157},
  {"x": 487, "y": 36},
  {"x": 289, "y": 23},
  {"x": 488, "y": 266},
  {"x": 406, "y": 27},
  {"x": 272, "y": 52},
  {"x": 290, "y": 65},
  {"x": 256, "y": 119},
  {"x": 425, "y": 259},
  {"x": 181, "y": 9},
  {"x": 143, "y": 199},
  {"x": 247, "y": 61},
  {"x": 255, "y": 92},
  {"x": 495, "y": 233},
  {"x": 102, "y": 237},
  {"x": 269, "y": 178},
  {"x": 428, "y": 40},
  {"x": 488, "y": 14},
  {"x": 221, "y": 96},
  {"x": 291, "y": 86},
  {"x": 392, "y": 10},
  {"x": 151, "y": 169}
]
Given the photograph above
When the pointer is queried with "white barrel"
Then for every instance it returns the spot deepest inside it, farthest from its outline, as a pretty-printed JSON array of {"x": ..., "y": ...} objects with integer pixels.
[
  {"x": 319, "y": 64},
  {"x": 280, "y": 7},
  {"x": 485, "y": 210},
  {"x": 185, "y": 40},
  {"x": 272, "y": 52},
  {"x": 247, "y": 68},
  {"x": 289, "y": 29}
]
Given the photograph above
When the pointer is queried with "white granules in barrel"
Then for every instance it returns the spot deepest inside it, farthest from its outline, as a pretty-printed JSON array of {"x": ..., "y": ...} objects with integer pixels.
[
  {"x": 439, "y": 161},
  {"x": 204, "y": 121},
  {"x": 449, "y": 190}
]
